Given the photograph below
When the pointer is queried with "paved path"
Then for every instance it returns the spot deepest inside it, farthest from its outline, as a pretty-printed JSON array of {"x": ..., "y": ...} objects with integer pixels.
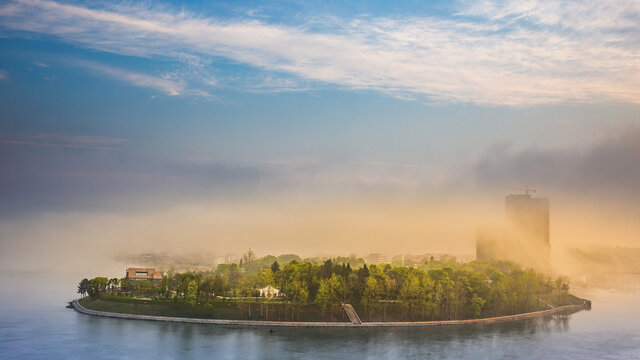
[
  {"x": 546, "y": 303},
  {"x": 248, "y": 323},
  {"x": 353, "y": 315},
  {"x": 491, "y": 320}
]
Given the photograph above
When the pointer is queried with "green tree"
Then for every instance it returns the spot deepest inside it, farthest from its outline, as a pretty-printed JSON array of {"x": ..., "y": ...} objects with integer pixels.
[
  {"x": 336, "y": 290},
  {"x": 265, "y": 278},
  {"x": 476, "y": 304},
  {"x": 387, "y": 291},
  {"x": 232, "y": 274},
  {"x": 97, "y": 286},
  {"x": 219, "y": 285},
  {"x": 323, "y": 297},
  {"x": 124, "y": 284},
  {"x": 192, "y": 293},
  {"x": 83, "y": 287},
  {"x": 443, "y": 293},
  {"x": 349, "y": 288},
  {"x": 410, "y": 293},
  {"x": 298, "y": 294},
  {"x": 370, "y": 295},
  {"x": 165, "y": 287},
  {"x": 205, "y": 290},
  {"x": 427, "y": 297},
  {"x": 275, "y": 267},
  {"x": 113, "y": 284}
]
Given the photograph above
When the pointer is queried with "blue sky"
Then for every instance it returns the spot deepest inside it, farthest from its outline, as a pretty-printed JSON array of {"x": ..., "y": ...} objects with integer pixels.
[{"x": 140, "y": 106}]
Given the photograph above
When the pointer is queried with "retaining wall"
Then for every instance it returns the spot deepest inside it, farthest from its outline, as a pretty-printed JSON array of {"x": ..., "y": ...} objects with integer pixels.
[{"x": 250, "y": 323}]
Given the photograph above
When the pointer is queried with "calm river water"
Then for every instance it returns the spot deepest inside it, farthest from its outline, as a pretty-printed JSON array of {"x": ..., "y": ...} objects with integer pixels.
[{"x": 34, "y": 324}]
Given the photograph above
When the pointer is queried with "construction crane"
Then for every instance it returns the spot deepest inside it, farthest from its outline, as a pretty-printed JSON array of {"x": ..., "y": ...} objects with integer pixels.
[{"x": 527, "y": 190}]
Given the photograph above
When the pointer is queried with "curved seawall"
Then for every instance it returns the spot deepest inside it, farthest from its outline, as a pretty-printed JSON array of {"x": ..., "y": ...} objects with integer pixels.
[{"x": 248, "y": 323}]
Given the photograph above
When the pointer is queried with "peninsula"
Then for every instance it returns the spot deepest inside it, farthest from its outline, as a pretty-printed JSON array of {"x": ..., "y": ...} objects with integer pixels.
[{"x": 255, "y": 291}]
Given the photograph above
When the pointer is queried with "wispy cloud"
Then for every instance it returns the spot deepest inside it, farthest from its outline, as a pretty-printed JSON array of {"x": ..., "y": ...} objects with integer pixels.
[
  {"x": 167, "y": 83},
  {"x": 65, "y": 141},
  {"x": 4, "y": 75},
  {"x": 269, "y": 84},
  {"x": 162, "y": 84},
  {"x": 491, "y": 53},
  {"x": 575, "y": 15}
]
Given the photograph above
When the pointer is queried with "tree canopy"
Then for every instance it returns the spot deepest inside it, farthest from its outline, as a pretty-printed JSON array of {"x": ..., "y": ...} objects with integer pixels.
[{"x": 437, "y": 290}]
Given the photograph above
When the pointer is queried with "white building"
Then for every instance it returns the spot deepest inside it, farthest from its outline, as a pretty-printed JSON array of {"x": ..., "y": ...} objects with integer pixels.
[{"x": 269, "y": 292}]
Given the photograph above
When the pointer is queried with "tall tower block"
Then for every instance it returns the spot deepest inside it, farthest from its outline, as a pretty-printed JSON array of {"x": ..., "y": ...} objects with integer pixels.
[{"x": 531, "y": 216}]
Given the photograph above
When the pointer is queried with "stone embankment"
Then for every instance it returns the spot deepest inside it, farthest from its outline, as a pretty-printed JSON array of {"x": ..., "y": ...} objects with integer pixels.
[{"x": 248, "y": 323}]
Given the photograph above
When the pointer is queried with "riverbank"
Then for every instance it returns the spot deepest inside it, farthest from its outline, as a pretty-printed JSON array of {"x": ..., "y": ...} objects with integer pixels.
[
  {"x": 250, "y": 323},
  {"x": 219, "y": 308}
]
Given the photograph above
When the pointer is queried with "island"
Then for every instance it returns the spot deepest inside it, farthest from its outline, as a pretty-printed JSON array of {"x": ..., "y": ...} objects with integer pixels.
[{"x": 331, "y": 293}]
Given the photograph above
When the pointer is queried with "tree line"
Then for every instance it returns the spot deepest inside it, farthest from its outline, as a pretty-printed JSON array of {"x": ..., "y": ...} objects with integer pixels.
[{"x": 432, "y": 291}]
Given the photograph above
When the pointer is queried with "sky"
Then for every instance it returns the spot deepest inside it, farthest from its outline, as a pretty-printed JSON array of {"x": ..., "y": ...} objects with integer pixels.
[{"x": 314, "y": 126}]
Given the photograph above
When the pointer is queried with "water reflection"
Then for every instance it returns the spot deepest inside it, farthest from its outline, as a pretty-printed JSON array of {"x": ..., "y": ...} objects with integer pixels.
[{"x": 194, "y": 340}]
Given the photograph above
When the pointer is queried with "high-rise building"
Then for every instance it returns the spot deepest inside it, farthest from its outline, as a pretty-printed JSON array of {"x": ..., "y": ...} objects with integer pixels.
[
  {"x": 530, "y": 216},
  {"x": 525, "y": 240}
]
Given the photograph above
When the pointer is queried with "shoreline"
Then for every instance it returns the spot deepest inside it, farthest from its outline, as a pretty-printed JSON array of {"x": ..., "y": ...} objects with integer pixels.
[{"x": 252, "y": 323}]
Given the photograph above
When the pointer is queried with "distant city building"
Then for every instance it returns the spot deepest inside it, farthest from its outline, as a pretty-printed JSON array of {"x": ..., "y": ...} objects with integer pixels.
[
  {"x": 231, "y": 258},
  {"x": 376, "y": 259},
  {"x": 531, "y": 216},
  {"x": 143, "y": 274},
  {"x": 526, "y": 239},
  {"x": 217, "y": 260}
]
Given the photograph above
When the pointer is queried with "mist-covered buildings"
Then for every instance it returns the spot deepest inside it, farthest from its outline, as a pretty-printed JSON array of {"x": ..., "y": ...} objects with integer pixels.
[
  {"x": 531, "y": 216},
  {"x": 526, "y": 236}
]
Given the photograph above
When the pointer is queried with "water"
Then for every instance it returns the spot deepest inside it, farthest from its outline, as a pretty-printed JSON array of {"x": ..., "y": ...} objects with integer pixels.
[{"x": 34, "y": 324}]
